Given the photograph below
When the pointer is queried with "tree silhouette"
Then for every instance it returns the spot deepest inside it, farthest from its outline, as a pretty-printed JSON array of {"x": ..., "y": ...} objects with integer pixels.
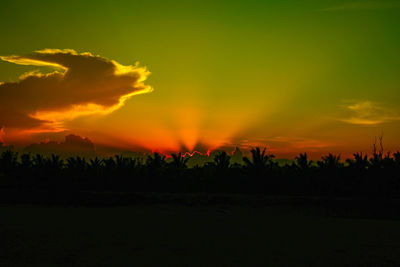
[
  {"x": 260, "y": 160},
  {"x": 76, "y": 163},
  {"x": 303, "y": 162},
  {"x": 26, "y": 161},
  {"x": 222, "y": 160},
  {"x": 156, "y": 161},
  {"x": 178, "y": 162},
  {"x": 8, "y": 161},
  {"x": 330, "y": 162},
  {"x": 360, "y": 161},
  {"x": 38, "y": 161},
  {"x": 396, "y": 157},
  {"x": 360, "y": 176}
]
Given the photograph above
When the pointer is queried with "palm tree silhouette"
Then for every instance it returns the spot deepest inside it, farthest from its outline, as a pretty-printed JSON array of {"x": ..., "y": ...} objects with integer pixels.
[
  {"x": 360, "y": 161},
  {"x": 222, "y": 160},
  {"x": 26, "y": 161},
  {"x": 260, "y": 160},
  {"x": 76, "y": 163},
  {"x": 9, "y": 161},
  {"x": 178, "y": 162},
  {"x": 396, "y": 157},
  {"x": 330, "y": 162},
  {"x": 360, "y": 176},
  {"x": 95, "y": 166},
  {"x": 38, "y": 161},
  {"x": 303, "y": 162},
  {"x": 55, "y": 162},
  {"x": 156, "y": 161}
]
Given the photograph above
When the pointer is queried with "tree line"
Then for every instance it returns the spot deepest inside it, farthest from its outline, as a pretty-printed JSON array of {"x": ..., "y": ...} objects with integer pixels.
[{"x": 377, "y": 175}]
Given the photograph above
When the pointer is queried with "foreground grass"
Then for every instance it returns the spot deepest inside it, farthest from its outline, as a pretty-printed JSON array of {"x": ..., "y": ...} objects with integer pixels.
[{"x": 174, "y": 235}]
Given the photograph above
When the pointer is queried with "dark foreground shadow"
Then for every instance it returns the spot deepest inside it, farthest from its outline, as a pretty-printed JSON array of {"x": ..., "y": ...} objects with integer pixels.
[{"x": 176, "y": 235}]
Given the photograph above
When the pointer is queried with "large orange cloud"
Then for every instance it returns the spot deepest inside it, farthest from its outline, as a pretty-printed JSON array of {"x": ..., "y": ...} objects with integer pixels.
[{"x": 81, "y": 84}]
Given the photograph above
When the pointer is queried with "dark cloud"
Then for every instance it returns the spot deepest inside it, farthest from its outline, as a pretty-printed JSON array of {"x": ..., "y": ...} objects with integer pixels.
[
  {"x": 81, "y": 84},
  {"x": 73, "y": 144}
]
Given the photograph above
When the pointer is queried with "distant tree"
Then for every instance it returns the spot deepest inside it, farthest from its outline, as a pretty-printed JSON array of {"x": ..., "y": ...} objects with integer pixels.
[
  {"x": 156, "y": 161},
  {"x": 360, "y": 161},
  {"x": 124, "y": 163},
  {"x": 178, "y": 162},
  {"x": 76, "y": 163},
  {"x": 95, "y": 165},
  {"x": 222, "y": 160},
  {"x": 260, "y": 160},
  {"x": 109, "y": 164},
  {"x": 377, "y": 158},
  {"x": 54, "y": 162},
  {"x": 302, "y": 161},
  {"x": 396, "y": 157},
  {"x": 26, "y": 161},
  {"x": 8, "y": 161},
  {"x": 388, "y": 161},
  {"x": 237, "y": 157},
  {"x": 53, "y": 166},
  {"x": 330, "y": 162},
  {"x": 38, "y": 161}
]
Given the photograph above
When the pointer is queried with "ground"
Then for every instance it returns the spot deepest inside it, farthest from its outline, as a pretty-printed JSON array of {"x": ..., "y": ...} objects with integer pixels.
[{"x": 174, "y": 235}]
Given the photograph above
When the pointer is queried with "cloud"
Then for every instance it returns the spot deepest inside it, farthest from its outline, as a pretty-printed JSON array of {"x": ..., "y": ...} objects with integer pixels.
[
  {"x": 80, "y": 84},
  {"x": 364, "y": 5},
  {"x": 73, "y": 144},
  {"x": 284, "y": 143},
  {"x": 369, "y": 113},
  {"x": 2, "y": 134}
]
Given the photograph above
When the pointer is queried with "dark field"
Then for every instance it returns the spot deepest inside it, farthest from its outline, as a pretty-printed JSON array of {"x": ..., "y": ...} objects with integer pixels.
[
  {"x": 120, "y": 212},
  {"x": 179, "y": 235}
]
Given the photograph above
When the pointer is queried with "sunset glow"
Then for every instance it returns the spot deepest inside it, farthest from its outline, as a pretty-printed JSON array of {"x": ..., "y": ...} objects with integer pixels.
[{"x": 311, "y": 76}]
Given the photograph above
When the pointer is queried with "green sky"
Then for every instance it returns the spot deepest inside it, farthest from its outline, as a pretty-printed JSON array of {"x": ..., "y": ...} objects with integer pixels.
[{"x": 298, "y": 75}]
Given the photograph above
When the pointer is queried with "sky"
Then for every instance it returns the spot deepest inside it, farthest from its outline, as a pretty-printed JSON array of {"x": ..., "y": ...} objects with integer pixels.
[{"x": 295, "y": 76}]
